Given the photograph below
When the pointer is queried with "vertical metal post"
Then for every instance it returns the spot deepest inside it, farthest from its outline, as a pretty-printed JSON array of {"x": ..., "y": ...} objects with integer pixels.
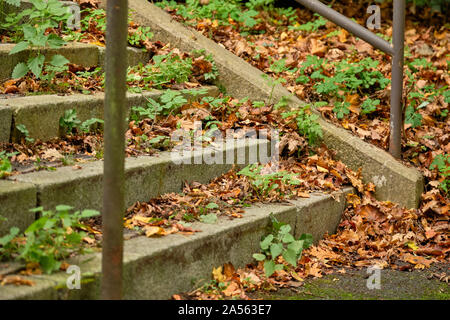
[
  {"x": 396, "y": 121},
  {"x": 114, "y": 154}
]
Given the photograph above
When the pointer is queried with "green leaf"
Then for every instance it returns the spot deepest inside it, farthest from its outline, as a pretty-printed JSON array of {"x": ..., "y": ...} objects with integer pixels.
[
  {"x": 266, "y": 242},
  {"x": 208, "y": 218},
  {"x": 288, "y": 238},
  {"x": 13, "y": 232},
  {"x": 89, "y": 213},
  {"x": 257, "y": 256},
  {"x": 55, "y": 42},
  {"x": 276, "y": 249},
  {"x": 35, "y": 65},
  {"x": 49, "y": 264},
  {"x": 59, "y": 60},
  {"x": 285, "y": 229},
  {"x": 20, "y": 70},
  {"x": 307, "y": 240},
  {"x": 269, "y": 268},
  {"x": 23, "y": 45},
  {"x": 15, "y": 3},
  {"x": 212, "y": 205},
  {"x": 63, "y": 207},
  {"x": 290, "y": 256},
  {"x": 297, "y": 246}
]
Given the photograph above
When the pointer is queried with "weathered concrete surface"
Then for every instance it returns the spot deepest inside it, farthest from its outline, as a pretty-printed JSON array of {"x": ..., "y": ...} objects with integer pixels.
[
  {"x": 5, "y": 123},
  {"x": 16, "y": 198},
  {"x": 41, "y": 114},
  {"x": 83, "y": 54},
  {"x": 156, "y": 268},
  {"x": 146, "y": 177},
  {"x": 352, "y": 285},
  {"x": 135, "y": 56},
  {"x": 394, "y": 181}
]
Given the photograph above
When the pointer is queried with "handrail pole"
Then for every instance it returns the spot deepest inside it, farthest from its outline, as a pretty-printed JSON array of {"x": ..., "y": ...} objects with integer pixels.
[
  {"x": 398, "y": 38},
  {"x": 114, "y": 153}
]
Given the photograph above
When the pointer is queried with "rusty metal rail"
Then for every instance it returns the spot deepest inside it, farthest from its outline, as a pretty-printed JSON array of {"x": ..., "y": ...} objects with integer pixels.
[
  {"x": 114, "y": 154},
  {"x": 395, "y": 50}
]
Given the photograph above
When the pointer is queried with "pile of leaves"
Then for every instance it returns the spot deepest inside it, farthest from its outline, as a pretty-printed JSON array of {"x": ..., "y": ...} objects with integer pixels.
[{"x": 322, "y": 62}]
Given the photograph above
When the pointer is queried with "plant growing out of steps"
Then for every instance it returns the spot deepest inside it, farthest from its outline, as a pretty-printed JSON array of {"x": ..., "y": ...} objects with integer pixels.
[
  {"x": 170, "y": 102},
  {"x": 280, "y": 242},
  {"x": 29, "y": 31},
  {"x": 25, "y": 133},
  {"x": 264, "y": 183},
  {"x": 307, "y": 123},
  {"x": 50, "y": 239},
  {"x": 5, "y": 163},
  {"x": 69, "y": 122}
]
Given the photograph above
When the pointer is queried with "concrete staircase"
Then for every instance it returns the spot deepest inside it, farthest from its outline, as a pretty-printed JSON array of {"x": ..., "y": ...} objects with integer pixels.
[{"x": 156, "y": 268}]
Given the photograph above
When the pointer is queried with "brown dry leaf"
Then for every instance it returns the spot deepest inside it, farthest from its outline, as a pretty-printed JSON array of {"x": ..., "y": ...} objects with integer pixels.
[
  {"x": 232, "y": 290},
  {"x": 416, "y": 260},
  {"x": 16, "y": 280},
  {"x": 154, "y": 231},
  {"x": 317, "y": 47}
]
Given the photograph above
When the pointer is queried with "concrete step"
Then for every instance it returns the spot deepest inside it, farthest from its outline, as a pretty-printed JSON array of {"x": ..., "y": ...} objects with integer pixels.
[
  {"x": 146, "y": 177},
  {"x": 41, "y": 114},
  {"x": 156, "y": 268},
  {"x": 83, "y": 54}
]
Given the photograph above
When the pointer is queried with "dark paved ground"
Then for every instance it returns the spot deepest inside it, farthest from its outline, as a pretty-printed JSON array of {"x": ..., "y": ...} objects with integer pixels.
[{"x": 417, "y": 284}]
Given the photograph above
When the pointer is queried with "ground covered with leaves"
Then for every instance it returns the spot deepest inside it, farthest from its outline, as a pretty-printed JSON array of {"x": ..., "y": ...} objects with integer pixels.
[{"x": 349, "y": 83}]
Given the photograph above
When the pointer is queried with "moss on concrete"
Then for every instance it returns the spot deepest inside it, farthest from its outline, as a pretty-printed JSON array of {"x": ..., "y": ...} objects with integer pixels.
[{"x": 395, "y": 285}]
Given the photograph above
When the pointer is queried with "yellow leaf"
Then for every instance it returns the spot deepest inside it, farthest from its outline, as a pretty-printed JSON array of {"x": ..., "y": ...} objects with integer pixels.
[
  {"x": 218, "y": 275},
  {"x": 154, "y": 231},
  {"x": 342, "y": 36},
  {"x": 412, "y": 245},
  {"x": 321, "y": 169}
]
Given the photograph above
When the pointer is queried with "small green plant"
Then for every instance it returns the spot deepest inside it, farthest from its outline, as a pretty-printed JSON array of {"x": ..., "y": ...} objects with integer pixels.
[
  {"x": 170, "y": 101},
  {"x": 24, "y": 131},
  {"x": 49, "y": 240},
  {"x": 341, "y": 109},
  {"x": 29, "y": 31},
  {"x": 262, "y": 184},
  {"x": 281, "y": 242},
  {"x": 307, "y": 123},
  {"x": 442, "y": 163},
  {"x": 218, "y": 10},
  {"x": 369, "y": 106},
  {"x": 141, "y": 35},
  {"x": 69, "y": 121},
  {"x": 311, "y": 26},
  {"x": 5, "y": 163},
  {"x": 87, "y": 125}
]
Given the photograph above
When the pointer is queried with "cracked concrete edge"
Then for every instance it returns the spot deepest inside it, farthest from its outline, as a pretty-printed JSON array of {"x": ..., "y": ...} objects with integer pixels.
[
  {"x": 146, "y": 177},
  {"x": 243, "y": 80},
  {"x": 156, "y": 268},
  {"x": 41, "y": 114}
]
